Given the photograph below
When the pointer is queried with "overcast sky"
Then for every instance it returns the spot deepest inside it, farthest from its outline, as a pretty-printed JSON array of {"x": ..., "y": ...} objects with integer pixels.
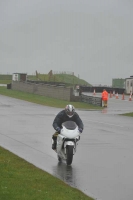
[{"x": 92, "y": 38}]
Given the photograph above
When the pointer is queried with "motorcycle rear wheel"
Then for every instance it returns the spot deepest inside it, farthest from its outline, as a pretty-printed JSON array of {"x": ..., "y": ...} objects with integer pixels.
[{"x": 69, "y": 155}]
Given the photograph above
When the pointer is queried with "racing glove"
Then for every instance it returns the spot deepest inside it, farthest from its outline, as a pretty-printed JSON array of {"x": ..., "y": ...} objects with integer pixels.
[
  {"x": 80, "y": 130},
  {"x": 58, "y": 129}
]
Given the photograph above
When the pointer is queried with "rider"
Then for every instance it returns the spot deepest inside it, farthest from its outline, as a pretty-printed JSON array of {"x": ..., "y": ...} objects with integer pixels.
[{"x": 68, "y": 114}]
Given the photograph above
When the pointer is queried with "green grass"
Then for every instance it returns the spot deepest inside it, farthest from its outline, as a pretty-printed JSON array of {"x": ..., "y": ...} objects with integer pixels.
[
  {"x": 67, "y": 79},
  {"x": 64, "y": 78},
  {"x": 5, "y": 77},
  {"x": 47, "y": 101},
  {"x": 5, "y": 81},
  {"x": 20, "y": 180},
  {"x": 128, "y": 114}
]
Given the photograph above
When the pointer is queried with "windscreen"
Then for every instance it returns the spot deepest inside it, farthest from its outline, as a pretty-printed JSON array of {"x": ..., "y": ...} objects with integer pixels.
[{"x": 69, "y": 125}]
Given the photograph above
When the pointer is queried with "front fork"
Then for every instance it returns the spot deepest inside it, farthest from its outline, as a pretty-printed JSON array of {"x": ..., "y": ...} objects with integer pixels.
[{"x": 70, "y": 143}]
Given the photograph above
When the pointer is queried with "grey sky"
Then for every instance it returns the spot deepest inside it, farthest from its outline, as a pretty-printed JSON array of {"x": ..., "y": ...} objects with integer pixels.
[{"x": 91, "y": 38}]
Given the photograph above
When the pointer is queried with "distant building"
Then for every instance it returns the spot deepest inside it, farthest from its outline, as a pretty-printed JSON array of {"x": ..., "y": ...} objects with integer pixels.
[
  {"x": 19, "y": 77},
  {"x": 118, "y": 83},
  {"x": 129, "y": 85}
]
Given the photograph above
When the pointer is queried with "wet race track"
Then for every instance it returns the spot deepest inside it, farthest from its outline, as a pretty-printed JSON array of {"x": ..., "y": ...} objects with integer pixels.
[{"x": 103, "y": 164}]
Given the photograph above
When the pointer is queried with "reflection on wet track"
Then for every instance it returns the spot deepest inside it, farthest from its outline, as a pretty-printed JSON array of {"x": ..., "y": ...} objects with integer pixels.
[{"x": 65, "y": 173}]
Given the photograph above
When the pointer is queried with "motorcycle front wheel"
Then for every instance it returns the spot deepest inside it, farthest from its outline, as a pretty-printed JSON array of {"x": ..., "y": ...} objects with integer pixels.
[{"x": 69, "y": 155}]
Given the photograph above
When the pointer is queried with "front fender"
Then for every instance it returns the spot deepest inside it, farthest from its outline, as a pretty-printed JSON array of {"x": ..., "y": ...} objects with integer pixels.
[{"x": 70, "y": 143}]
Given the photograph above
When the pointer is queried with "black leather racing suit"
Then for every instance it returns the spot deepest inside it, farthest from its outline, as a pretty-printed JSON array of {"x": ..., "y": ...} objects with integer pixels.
[{"x": 62, "y": 117}]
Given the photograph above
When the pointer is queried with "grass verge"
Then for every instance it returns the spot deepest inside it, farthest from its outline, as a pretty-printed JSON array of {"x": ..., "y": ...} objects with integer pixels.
[
  {"x": 47, "y": 101},
  {"x": 128, "y": 114},
  {"x": 21, "y": 180},
  {"x": 5, "y": 81}
]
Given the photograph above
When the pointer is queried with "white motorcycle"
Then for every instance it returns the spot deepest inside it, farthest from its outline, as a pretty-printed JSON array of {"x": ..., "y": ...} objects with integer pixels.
[{"x": 67, "y": 141}]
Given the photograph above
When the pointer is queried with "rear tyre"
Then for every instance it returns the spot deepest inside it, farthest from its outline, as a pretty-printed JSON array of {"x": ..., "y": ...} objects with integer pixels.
[{"x": 69, "y": 155}]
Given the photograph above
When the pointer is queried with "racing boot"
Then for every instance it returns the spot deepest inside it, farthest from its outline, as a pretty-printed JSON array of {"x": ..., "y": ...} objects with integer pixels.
[
  {"x": 54, "y": 145},
  {"x": 54, "y": 142}
]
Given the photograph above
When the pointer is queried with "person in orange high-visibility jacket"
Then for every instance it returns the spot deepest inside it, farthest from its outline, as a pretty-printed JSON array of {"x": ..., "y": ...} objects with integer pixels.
[{"x": 105, "y": 98}]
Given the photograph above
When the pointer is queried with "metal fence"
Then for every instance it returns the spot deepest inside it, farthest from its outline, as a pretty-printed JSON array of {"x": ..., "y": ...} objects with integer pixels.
[{"x": 100, "y": 89}]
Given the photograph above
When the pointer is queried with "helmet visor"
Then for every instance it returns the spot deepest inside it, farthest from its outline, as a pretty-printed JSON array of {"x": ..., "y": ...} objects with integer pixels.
[{"x": 70, "y": 113}]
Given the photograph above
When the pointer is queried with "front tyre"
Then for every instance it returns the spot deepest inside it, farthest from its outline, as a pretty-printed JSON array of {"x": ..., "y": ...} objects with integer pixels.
[{"x": 69, "y": 155}]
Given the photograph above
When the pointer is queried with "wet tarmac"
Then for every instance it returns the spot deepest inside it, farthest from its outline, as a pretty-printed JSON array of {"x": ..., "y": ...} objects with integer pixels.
[{"x": 102, "y": 166}]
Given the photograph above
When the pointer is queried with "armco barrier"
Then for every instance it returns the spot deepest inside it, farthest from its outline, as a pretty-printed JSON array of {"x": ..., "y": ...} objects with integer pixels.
[{"x": 91, "y": 100}]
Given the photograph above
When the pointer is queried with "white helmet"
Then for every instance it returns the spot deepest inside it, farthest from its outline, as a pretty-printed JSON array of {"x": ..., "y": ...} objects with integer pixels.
[{"x": 70, "y": 110}]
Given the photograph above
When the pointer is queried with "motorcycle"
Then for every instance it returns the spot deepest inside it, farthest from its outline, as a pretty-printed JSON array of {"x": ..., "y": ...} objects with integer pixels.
[{"x": 67, "y": 142}]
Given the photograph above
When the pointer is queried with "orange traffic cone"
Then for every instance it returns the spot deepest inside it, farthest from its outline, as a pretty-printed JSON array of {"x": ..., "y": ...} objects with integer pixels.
[
  {"x": 117, "y": 96},
  {"x": 94, "y": 92},
  {"x": 113, "y": 93},
  {"x": 123, "y": 98},
  {"x": 130, "y": 98}
]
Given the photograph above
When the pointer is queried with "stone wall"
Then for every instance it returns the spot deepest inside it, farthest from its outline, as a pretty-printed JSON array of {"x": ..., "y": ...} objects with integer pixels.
[
  {"x": 53, "y": 91},
  {"x": 91, "y": 100},
  {"x": 59, "y": 92}
]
